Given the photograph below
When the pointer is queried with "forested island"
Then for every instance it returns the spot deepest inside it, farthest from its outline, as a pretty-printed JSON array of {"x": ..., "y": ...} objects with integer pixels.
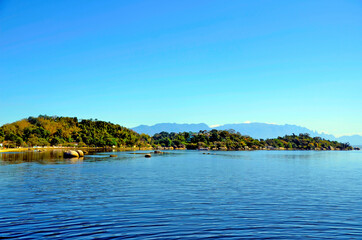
[{"x": 73, "y": 132}]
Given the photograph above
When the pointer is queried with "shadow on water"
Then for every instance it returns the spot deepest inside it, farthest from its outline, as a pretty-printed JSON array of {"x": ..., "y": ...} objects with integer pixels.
[
  {"x": 56, "y": 157},
  {"x": 46, "y": 157}
]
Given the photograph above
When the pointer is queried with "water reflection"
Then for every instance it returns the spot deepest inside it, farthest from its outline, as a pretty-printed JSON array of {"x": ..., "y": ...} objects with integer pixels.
[
  {"x": 75, "y": 160},
  {"x": 56, "y": 157},
  {"x": 46, "y": 157}
]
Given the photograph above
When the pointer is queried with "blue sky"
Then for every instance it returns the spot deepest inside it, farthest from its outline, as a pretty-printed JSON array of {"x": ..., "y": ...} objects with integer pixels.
[{"x": 145, "y": 62}]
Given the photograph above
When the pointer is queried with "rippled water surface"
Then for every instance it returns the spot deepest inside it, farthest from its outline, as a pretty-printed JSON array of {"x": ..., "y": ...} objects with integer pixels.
[{"x": 183, "y": 194}]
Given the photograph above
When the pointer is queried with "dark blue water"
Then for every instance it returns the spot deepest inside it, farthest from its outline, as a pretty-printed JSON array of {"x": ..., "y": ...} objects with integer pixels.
[{"x": 184, "y": 194}]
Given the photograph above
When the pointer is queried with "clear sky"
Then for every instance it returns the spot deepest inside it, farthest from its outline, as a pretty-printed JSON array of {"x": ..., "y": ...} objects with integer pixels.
[{"x": 145, "y": 62}]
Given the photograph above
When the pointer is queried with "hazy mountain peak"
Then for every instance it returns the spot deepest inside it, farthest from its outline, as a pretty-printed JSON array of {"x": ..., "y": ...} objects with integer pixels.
[{"x": 171, "y": 127}]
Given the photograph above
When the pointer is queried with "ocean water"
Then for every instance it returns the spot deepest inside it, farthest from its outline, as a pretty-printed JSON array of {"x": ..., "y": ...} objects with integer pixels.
[{"x": 182, "y": 194}]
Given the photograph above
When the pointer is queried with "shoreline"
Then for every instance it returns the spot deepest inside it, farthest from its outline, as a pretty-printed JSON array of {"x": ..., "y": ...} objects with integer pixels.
[
  {"x": 43, "y": 149},
  {"x": 150, "y": 149}
]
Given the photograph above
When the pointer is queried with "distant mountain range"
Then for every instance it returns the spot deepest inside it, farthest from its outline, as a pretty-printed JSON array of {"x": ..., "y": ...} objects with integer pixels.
[
  {"x": 170, "y": 127},
  {"x": 255, "y": 130}
]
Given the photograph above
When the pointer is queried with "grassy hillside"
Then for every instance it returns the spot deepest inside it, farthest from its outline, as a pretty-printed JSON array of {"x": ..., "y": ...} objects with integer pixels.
[{"x": 66, "y": 131}]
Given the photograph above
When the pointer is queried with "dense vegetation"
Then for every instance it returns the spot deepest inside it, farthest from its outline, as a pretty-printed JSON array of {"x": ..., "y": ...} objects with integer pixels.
[
  {"x": 67, "y": 131},
  {"x": 229, "y": 140}
]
